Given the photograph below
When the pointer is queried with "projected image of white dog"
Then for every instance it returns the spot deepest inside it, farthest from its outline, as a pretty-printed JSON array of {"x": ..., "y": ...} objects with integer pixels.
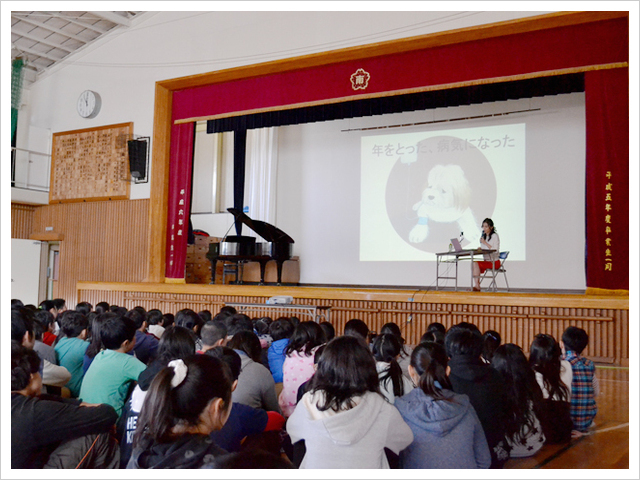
[{"x": 445, "y": 199}]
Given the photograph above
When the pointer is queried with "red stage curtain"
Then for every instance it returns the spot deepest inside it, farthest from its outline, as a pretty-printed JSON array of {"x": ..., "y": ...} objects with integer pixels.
[
  {"x": 607, "y": 182},
  {"x": 179, "y": 202}
]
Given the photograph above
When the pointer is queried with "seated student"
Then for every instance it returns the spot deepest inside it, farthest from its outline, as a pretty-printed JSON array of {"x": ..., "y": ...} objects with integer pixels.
[
  {"x": 404, "y": 359},
  {"x": 23, "y": 332},
  {"x": 84, "y": 308},
  {"x": 102, "y": 307},
  {"x": 280, "y": 331},
  {"x": 146, "y": 344},
  {"x": 261, "y": 327},
  {"x": 176, "y": 343},
  {"x": 244, "y": 421},
  {"x": 95, "y": 344},
  {"x": 256, "y": 387},
  {"x": 298, "y": 364},
  {"x": 48, "y": 323},
  {"x": 329, "y": 331},
  {"x": 343, "y": 419},
  {"x": 40, "y": 326},
  {"x": 112, "y": 370},
  {"x": 213, "y": 334},
  {"x": 446, "y": 429},
  {"x": 155, "y": 319},
  {"x": 357, "y": 328},
  {"x": 524, "y": 398},
  {"x": 481, "y": 383},
  {"x": 70, "y": 347},
  {"x": 393, "y": 383},
  {"x": 584, "y": 383},
  {"x": 186, "y": 401},
  {"x": 54, "y": 432},
  {"x": 490, "y": 341},
  {"x": 205, "y": 315},
  {"x": 189, "y": 319},
  {"x": 554, "y": 377}
]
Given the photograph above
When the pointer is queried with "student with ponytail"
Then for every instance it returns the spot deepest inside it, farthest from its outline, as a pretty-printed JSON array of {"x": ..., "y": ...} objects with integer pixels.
[
  {"x": 187, "y": 400},
  {"x": 393, "y": 384},
  {"x": 447, "y": 432}
]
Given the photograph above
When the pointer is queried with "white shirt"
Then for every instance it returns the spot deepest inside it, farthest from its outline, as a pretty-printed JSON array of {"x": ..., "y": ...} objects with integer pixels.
[{"x": 495, "y": 245}]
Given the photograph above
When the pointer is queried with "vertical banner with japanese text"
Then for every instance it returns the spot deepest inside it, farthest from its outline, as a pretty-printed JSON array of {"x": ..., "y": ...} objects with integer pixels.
[
  {"x": 179, "y": 201},
  {"x": 607, "y": 182}
]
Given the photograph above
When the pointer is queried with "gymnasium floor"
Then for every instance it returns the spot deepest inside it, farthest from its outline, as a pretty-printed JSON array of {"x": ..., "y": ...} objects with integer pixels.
[{"x": 607, "y": 446}]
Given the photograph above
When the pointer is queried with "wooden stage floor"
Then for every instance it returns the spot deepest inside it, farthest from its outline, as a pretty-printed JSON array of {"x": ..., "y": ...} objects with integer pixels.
[{"x": 607, "y": 445}]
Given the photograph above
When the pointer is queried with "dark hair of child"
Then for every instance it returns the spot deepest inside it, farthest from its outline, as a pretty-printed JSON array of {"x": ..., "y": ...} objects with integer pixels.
[
  {"x": 329, "y": 331},
  {"x": 355, "y": 326},
  {"x": 189, "y": 319},
  {"x": 168, "y": 319},
  {"x": 575, "y": 339},
  {"x": 342, "y": 376},
  {"x": 432, "y": 336},
  {"x": 248, "y": 342},
  {"x": 59, "y": 303},
  {"x": 44, "y": 318},
  {"x": 15, "y": 302},
  {"x": 238, "y": 322},
  {"x": 116, "y": 329},
  {"x": 437, "y": 326},
  {"x": 461, "y": 340},
  {"x": 281, "y": 328},
  {"x": 212, "y": 332},
  {"x": 164, "y": 407},
  {"x": 102, "y": 307},
  {"x": 261, "y": 325},
  {"x": 96, "y": 335},
  {"x": 47, "y": 305},
  {"x": 490, "y": 341},
  {"x": 386, "y": 348},
  {"x": 22, "y": 321},
  {"x": 305, "y": 337},
  {"x": 544, "y": 357},
  {"x": 205, "y": 315},
  {"x": 24, "y": 363},
  {"x": 227, "y": 310},
  {"x": 154, "y": 316},
  {"x": 176, "y": 342},
  {"x": 230, "y": 357},
  {"x": 84, "y": 308},
  {"x": 522, "y": 389},
  {"x": 429, "y": 360},
  {"x": 72, "y": 324},
  {"x": 137, "y": 317}
]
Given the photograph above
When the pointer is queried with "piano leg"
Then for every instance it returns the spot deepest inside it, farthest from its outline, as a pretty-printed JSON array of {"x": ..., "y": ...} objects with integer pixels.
[
  {"x": 263, "y": 269},
  {"x": 279, "y": 264}
]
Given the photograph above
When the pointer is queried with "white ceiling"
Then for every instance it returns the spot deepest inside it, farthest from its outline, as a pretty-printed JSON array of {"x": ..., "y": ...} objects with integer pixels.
[{"x": 43, "y": 39}]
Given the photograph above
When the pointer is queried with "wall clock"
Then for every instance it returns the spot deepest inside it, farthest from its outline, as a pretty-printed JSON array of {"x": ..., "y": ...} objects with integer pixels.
[{"x": 89, "y": 104}]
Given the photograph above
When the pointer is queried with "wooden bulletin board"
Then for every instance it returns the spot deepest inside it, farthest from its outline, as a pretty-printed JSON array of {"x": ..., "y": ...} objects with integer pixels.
[{"x": 91, "y": 164}]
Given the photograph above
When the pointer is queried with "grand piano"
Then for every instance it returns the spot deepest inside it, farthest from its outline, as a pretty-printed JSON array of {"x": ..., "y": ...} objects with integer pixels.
[{"x": 242, "y": 249}]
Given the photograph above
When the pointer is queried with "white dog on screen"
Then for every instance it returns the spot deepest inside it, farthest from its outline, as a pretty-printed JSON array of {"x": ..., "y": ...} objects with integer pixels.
[{"x": 445, "y": 199}]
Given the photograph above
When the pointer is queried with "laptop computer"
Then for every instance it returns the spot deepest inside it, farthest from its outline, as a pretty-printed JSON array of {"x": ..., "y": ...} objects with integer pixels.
[{"x": 456, "y": 245}]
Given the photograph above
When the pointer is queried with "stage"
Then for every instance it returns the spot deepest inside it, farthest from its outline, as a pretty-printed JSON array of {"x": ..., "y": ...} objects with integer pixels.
[{"x": 518, "y": 316}]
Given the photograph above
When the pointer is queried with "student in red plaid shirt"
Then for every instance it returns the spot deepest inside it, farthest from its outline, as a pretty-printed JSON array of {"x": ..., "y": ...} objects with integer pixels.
[{"x": 584, "y": 386}]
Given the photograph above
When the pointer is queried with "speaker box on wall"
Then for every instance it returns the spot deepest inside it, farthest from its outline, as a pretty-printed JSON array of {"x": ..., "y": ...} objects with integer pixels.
[{"x": 137, "y": 158}]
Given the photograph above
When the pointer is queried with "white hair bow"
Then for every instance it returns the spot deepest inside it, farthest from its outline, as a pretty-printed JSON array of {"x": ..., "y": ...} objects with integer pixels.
[{"x": 179, "y": 372}]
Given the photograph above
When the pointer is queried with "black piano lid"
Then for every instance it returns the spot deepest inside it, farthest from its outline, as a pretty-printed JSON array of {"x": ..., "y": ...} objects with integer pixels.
[{"x": 264, "y": 229}]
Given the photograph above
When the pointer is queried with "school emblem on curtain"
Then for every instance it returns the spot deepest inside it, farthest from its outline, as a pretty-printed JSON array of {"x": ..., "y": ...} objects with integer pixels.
[{"x": 360, "y": 79}]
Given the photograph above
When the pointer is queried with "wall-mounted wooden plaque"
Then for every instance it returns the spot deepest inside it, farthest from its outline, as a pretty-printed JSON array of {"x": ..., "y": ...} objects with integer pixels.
[{"x": 91, "y": 164}]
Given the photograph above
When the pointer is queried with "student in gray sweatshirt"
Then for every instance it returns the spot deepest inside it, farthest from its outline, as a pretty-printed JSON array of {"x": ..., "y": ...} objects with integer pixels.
[{"x": 446, "y": 429}]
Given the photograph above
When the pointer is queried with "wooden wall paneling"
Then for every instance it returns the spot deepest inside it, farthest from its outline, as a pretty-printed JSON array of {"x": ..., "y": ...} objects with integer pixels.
[{"x": 22, "y": 220}]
